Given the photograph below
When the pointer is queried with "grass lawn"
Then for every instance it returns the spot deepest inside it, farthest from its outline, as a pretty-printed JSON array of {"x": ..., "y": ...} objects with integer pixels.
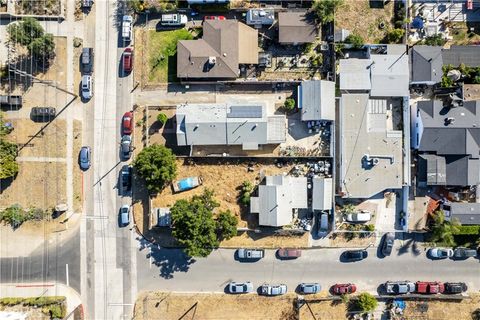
[
  {"x": 461, "y": 35},
  {"x": 162, "y": 54}
]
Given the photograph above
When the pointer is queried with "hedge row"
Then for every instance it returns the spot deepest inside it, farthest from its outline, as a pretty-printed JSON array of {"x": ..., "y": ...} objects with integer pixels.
[{"x": 473, "y": 230}]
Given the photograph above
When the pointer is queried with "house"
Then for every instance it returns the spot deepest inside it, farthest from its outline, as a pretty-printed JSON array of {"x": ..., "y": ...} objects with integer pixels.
[
  {"x": 277, "y": 199},
  {"x": 316, "y": 100},
  {"x": 260, "y": 17},
  {"x": 246, "y": 124},
  {"x": 463, "y": 212},
  {"x": 226, "y": 44},
  {"x": 468, "y": 55},
  {"x": 426, "y": 65},
  {"x": 448, "y": 142},
  {"x": 296, "y": 28},
  {"x": 371, "y": 150},
  {"x": 322, "y": 193}
]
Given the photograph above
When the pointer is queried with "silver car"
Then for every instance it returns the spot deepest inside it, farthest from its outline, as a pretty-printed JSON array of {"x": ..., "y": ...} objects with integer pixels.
[
  {"x": 273, "y": 290},
  {"x": 126, "y": 147},
  {"x": 237, "y": 287},
  {"x": 87, "y": 90},
  {"x": 440, "y": 253},
  {"x": 250, "y": 254},
  {"x": 309, "y": 288},
  {"x": 399, "y": 287}
]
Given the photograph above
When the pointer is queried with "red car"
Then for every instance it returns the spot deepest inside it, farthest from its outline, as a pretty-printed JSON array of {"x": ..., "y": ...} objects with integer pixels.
[
  {"x": 430, "y": 287},
  {"x": 289, "y": 253},
  {"x": 214, "y": 18},
  {"x": 344, "y": 288},
  {"x": 127, "y": 60},
  {"x": 127, "y": 123}
]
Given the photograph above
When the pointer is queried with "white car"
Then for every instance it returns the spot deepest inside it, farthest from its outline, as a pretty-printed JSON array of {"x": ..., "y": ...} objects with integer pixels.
[
  {"x": 273, "y": 290},
  {"x": 440, "y": 253},
  {"x": 87, "y": 90},
  {"x": 237, "y": 287},
  {"x": 359, "y": 217}
]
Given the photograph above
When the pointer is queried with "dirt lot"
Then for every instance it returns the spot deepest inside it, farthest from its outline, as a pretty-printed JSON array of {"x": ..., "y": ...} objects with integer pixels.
[
  {"x": 347, "y": 17},
  {"x": 161, "y": 305},
  {"x": 323, "y": 310},
  {"x": 77, "y": 173},
  {"x": 443, "y": 310}
]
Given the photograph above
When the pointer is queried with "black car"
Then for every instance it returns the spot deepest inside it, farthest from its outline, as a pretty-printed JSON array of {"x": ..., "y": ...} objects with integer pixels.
[
  {"x": 464, "y": 253},
  {"x": 43, "y": 113},
  {"x": 455, "y": 287},
  {"x": 354, "y": 255},
  {"x": 388, "y": 241},
  {"x": 126, "y": 177},
  {"x": 87, "y": 60}
]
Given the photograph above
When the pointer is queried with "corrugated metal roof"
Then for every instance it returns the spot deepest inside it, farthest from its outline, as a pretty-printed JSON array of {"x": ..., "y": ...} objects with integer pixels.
[
  {"x": 317, "y": 100},
  {"x": 322, "y": 194}
]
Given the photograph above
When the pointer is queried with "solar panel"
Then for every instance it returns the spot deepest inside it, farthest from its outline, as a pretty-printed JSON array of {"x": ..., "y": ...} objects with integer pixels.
[{"x": 240, "y": 111}]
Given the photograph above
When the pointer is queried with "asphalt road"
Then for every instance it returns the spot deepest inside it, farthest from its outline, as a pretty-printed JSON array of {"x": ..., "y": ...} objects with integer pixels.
[{"x": 176, "y": 273}]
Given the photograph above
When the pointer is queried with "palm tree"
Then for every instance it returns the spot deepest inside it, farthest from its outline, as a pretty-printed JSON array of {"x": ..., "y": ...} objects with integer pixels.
[{"x": 443, "y": 231}]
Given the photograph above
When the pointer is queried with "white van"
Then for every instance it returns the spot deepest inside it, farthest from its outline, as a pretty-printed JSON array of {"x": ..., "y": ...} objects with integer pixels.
[
  {"x": 127, "y": 28},
  {"x": 173, "y": 19}
]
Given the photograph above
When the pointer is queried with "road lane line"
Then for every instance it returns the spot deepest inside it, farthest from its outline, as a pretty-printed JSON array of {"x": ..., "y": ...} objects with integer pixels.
[{"x": 66, "y": 272}]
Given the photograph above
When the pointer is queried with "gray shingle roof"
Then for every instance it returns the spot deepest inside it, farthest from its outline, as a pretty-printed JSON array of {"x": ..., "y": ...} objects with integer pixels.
[
  {"x": 426, "y": 64},
  {"x": 469, "y": 55},
  {"x": 296, "y": 27},
  {"x": 466, "y": 213},
  {"x": 317, "y": 100}
]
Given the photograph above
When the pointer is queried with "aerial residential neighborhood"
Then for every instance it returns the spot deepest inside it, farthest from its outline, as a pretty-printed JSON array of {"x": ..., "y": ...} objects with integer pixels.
[{"x": 240, "y": 159}]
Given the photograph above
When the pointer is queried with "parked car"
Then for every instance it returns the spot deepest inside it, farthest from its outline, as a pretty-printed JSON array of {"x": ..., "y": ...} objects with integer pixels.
[
  {"x": 126, "y": 177},
  {"x": 429, "y": 287},
  {"x": 343, "y": 288},
  {"x": 126, "y": 147},
  {"x": 250, "y": 254},
  {"x": 127, "y": 60},
  {"x": 127, "y": 27},
  {"x": 173, "y": 20},
  {"x": 464, "y": 253},
  {"x": 125, "y": 215},
  {"x": 273, "y": 290},
  {"x": 214, "y": 18},
  {"x": 455, "y": 287},
  {"x": 285, "y": 253},
  {"x": 237, "y": 287},
  {"x": 43, "y": 113},
  {"x": 87, "y": 4},
  {"x": 87, "y": 60},
  {"x": 84, "y": 158},
  {"x": 359, "y": 217},
  {"x": 388, "y": 241},
  {"x": 87, "y": 90},
  {"x": 440, "y": 253},
  {"x": 10, "y": 101},
  {"x": 322, "y": 225},
  {"x": 399, "y": 287},
  {"x": 309, "y": 288},
  {"x": 127, "y": 123},
  {"x": 354, "y": 255}
]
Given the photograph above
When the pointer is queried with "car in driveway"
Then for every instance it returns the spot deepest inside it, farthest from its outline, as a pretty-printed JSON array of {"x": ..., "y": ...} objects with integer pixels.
[
  {"x": 285, "y": 253},
  {"x": 240, "y": 287},
  {"x": 399, "y": 287},
  {"x": 126, "y": 147},
  {"x": 354, "y": 255},
  {"x": 344, "y": 288},
  {"x": 87, "y": 87},
  {"x": 125, "y": 215},
  {"x": 126, "y": 178},
  {"x": 310, "y": 288},
  {"x": 250, "y": 254},
  {"x": 455, "y": 287},
  {"x": 387, "y": 245},
  {"x": 440, "y": 253},
  {"x": 426, "y": 287},
  {"x": 43, "y": 113},
  {"x": 273, "y": 290},
  {"x": 464, "y": 253},
  {"x": 84, "y": 158},
  {"x": 359, "y": 217},
  {"x": 127, "y": 60},
  {"x": 127, "y": 123}
]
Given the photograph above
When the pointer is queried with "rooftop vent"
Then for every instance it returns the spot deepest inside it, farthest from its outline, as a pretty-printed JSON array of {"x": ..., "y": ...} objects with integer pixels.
[{"x": 212, "y": 60}]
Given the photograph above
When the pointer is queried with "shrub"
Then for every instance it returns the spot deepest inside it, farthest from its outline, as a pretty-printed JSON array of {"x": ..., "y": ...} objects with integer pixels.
[
  {"x": 466, "y": 230},
  {"x": 162, "y": 118},
  {"x": 355, "y": 40},
  {"x": 289, "y": 104},
  {"x": 370, "y": 227},
  {"x": 246, "y": 191},
  {"x": 366, "y": 302},
  {"x": 394, "y": 36},
  {"x": 435, "y": 40}
]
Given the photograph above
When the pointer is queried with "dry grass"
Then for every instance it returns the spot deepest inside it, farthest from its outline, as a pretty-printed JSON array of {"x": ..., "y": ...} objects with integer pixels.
[
  {"x": 461, "y": 35},
  {"x": 77, "y": 173},
  {"x": 443, "y": 310},
  {"x": 164, "y": 306},
  {"x": 359, "y": 18},
  {"x": 267, "y": 241},
  {"x": 323, "y": 310}
]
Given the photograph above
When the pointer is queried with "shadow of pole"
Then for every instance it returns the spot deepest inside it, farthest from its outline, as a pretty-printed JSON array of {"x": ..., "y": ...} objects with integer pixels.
[{"x": 102, "y": 177}]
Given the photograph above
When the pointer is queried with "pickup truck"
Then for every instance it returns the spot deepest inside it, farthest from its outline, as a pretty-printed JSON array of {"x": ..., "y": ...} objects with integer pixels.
[
  {"x": 186, "y": 184},
  {"x": 11, "y": 101},
  {"x": 127, "y": 28}
]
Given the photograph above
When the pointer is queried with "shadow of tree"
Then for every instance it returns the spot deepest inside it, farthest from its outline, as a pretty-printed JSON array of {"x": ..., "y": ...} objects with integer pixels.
[{"x": 170, "y": 261}]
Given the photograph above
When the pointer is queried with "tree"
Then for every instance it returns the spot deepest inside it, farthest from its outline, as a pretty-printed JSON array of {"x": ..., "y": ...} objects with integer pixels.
[
  {"x": 366, "y": 302},
  {"x": 246, "y": 192},
  {"x": 162, "y": 118},
  {"x": 226, "y": 225},
  {"x": 25, "y": 31},
  {"x": 289, "y": 104},
  {"x": 394, "y": 36},
  {"x": 194, "y": 226},
  {"x": 13, "y": 215},
  {"x": 442, "y": 230},
  {"x": 156, "y": 165},
  {"x": 356, "y": 40},
  {"x": 8, "y": 165},
  {"x": 43, "y": 48},
  {"x": 324, "y": 10}
]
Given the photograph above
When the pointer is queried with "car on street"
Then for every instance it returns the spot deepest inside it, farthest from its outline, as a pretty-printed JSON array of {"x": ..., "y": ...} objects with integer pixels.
[
  {"x": 354, "y": 255},
  {"x": 87, "y": 60},
  {"x": 87, "y": 90},
  {"x": 399, "y": 287},
  {"x": 240, "y": 287},
  {"x": 127, "y": 123},
  {"x": 464, "y": 253},
  {"x": 84, "y": 158},
  {"x": 250, "y": 254},
  {"x": 214, "y": 18},
  {"x": 43, "y": 113},
  {"x": 455, "y": 287},
  {"x": 125, "y": 215},
  {"x": 343, "y": 288},
  {"x": 310, "y": 288},
  {"x": 359, "y": 217},
  {"x": 440, "y": 253},
  {"x": 388, "y": 241},
  {"x": 126, "y": 178},
  {"x": 285, "y": 253},
  {"x": 126, "y": 147},
  {"x": 127, "y": 22},
  {"x": 273, "y": 290},
  {"x": 127, "y": 60},
  {"x": 426, "y": 287}
]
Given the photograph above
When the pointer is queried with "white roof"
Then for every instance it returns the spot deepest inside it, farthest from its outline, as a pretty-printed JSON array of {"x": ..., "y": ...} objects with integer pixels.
[
  {"x": 355, "y": 74},
  {"x": 322, "y": 195}
]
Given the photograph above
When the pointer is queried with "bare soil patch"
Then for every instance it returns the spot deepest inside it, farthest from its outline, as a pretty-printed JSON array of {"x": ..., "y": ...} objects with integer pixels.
[
  {"x": 164, "y": 306},
  {"x": 77, "y": 173},
  {"x": 266, "y": 240},
  {"x": 323, "y": 310},
  {"x": 442, "y": 310}
]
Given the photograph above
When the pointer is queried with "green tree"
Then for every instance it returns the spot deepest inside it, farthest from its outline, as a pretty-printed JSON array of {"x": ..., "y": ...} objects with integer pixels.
[
  {"x": 442, "y": 230},
  {"x": 162, "y": 118},
  {"x": 25, "y": 31},
  {"x": 289, "y": 104},
  {"x": 43, "y": 47},
  {"x": 246, "y": 192},
  {"x": 226, "y": 225},
  {"x": 355, "y": 40},
  {"x": 194, "y": 226},
  {"x": 366, "y": 302},
  {"x": 156, "y": 165},
  {"x": 394, "y": 36},
  {"x": 324, "y": 10},
  {"x": 13, "y": 215},
  {"x": 8, "y": 165}
]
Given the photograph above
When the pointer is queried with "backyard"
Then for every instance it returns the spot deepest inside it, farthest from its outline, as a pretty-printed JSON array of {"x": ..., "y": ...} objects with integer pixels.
[{"x": 462, "y": 36}]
